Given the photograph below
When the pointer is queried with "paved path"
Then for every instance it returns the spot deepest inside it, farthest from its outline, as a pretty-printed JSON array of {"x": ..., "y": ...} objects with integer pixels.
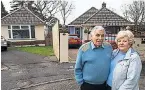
[
  {"x": 25, "y": 71},
  {"x": 33, "y": 72},
  {"x": 72, "y": 54}
]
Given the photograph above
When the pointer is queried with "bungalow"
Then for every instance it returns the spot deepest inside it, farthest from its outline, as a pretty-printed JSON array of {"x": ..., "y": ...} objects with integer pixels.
[
  {"x": 111, "y": 21},
  {"x": 22, "y": 25}
]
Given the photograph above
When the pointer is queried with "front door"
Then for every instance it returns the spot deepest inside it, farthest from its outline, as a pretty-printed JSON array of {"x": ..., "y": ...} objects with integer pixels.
[{"x": 77, "y": 31}]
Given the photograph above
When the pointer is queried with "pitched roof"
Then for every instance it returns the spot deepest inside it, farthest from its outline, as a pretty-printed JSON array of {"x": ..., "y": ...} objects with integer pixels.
[
  {"x": 106, "y": 17},
  {"x": 84, "y": 16},
  {"x": 21, "y": 16}
]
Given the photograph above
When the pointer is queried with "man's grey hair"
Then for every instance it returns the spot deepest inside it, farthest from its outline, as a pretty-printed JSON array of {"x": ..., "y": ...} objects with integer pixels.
[
  {"x": 125, "y": 33},
  {"x": 97, "y": 28}
]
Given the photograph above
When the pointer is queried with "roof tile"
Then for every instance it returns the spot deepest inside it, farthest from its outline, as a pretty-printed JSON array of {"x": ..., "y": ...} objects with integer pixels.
[
  {"x": 82, "y": 18},
  {"x": 21, "y": 16},
  {"x": 107, "y": 17}
]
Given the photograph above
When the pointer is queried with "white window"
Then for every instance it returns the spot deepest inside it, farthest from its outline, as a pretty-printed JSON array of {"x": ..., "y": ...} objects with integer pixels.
[{"x": 21, "y": 32}]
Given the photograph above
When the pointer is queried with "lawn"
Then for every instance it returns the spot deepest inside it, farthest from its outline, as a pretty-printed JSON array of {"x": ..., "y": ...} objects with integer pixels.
[{"x": 41, "y": 50}]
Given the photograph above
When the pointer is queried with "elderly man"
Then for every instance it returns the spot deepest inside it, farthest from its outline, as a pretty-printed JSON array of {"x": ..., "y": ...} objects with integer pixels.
[{"x": 93, "y": 61}]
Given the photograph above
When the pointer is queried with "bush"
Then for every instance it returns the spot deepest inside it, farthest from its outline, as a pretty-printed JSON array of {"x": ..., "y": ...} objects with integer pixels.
[
  {"x": 63, "y": 31},
  {"x": 85, "y": 31}
]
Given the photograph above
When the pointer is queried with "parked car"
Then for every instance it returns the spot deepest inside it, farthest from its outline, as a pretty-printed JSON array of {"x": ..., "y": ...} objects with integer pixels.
[
  {"x": 74, "y": 40},
  {"x": 3, "y": 43}
]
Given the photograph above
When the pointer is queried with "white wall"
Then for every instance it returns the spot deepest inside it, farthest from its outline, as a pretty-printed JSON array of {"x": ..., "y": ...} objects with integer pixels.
[
  {"x": 64, "y": 47},
  {"x": 55, "y": 36},
  {"x": 4, "y": 32},
  {"x": 39, "y": 32}
]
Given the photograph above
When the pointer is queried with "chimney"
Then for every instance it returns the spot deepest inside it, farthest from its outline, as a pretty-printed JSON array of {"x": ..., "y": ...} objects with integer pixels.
[
  {"x": 103, "y": 4},
  {"x": 25, "y": 3}
]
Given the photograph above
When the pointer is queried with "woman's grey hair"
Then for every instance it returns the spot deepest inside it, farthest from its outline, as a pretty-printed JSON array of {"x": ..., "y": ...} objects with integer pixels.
[
  {"x": 97, "y": 28},
  {"x": 125, "y": 33}
]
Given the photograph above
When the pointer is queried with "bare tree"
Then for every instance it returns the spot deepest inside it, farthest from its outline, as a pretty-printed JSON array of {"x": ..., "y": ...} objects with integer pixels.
[
  {"x": 47, "y": 8},
  {"x": 16, "y": 4},
  {"x": 65, "y": 10},
  {"x": 136, "y": 13},
  {"x": 125, "y": 11},
  {"x": 42, "y": 8},
  {"x": 3, "y": 11}
]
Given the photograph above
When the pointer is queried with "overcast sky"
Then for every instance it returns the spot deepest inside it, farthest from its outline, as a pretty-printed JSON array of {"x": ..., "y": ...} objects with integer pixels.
[{"x": 83, "y": 5}]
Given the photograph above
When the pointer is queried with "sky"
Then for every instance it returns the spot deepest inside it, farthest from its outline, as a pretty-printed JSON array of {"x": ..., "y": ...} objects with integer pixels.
[{"x": 80, "y": 6}]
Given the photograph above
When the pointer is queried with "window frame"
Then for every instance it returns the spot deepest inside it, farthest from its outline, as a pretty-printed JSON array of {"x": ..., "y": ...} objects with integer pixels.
[{"x": 10, "y": 29}]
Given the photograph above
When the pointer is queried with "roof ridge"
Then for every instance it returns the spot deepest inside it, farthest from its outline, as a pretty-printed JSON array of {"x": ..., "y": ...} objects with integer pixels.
[
  {"x": 82, "y": 14},
  {"x": 109, "y": 11},
  {"x": 119, "y": 15},
  {"x": 25, "y": 9},
  {"x": 34, "y": 14},
  {"x": 92, "y": 16}
]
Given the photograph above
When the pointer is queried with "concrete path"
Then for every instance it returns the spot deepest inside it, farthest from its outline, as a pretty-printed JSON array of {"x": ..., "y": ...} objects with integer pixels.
[
  {"x": 72, "y": 54},
  {"x": 21, "y": 70},
  {"x": 26, "y": 71}
]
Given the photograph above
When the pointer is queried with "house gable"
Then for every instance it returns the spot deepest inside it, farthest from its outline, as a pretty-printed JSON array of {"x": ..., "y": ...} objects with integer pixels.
[
  {"x": 106, "y": 17},
  {"x": 21, "y": 16},
  {"x": 82, "y": 18}
]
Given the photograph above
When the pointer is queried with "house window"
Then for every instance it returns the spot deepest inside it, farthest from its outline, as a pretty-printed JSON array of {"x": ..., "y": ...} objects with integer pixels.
[
  {"x": 15, "y": 27},
  {"x": 112, "y": 29},
  {"x": 33, "y": 31},
  {"x": 24, "y": 27},
  {"x": 21, "y": 32},
  {"x": 77, "y": 31},
  {"x": 9, "y": 31},
  {"x": 9, "y": 27}
]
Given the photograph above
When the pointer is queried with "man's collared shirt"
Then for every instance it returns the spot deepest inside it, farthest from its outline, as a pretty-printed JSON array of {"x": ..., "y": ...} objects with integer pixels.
[{"x": 93, "y": 46}]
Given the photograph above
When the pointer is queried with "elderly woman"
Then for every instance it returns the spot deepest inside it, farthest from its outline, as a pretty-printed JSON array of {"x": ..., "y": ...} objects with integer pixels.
[{"x": 126, "y": 65}]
